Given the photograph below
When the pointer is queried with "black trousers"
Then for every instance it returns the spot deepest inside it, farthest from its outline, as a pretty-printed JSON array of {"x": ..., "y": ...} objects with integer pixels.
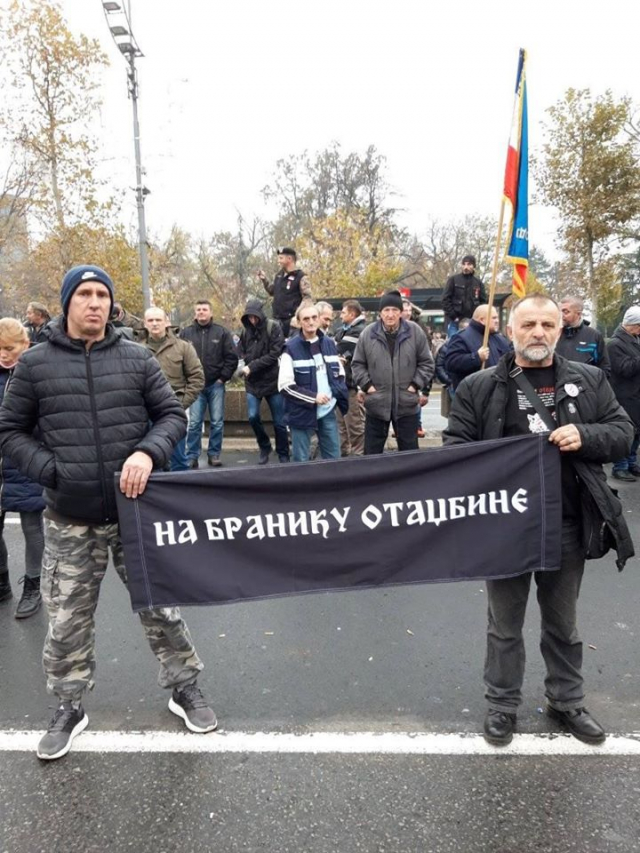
[{"x": 377, "y": 430}]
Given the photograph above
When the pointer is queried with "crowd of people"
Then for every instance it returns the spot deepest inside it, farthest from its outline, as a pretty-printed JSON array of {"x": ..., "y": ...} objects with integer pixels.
[{"x": 96, "y": 391}]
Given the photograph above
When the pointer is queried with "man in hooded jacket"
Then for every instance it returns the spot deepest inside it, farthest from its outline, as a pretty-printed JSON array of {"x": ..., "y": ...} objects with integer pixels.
[{"x": 260, "y": 345}]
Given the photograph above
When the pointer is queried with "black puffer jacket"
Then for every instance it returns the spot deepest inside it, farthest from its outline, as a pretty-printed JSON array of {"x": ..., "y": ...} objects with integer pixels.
[
  {"x": 478, "y": 413},
  {"x": 260, "y": 346},
  {"x": 93, "y": 409},
  {"x": 215, "y": 349}
]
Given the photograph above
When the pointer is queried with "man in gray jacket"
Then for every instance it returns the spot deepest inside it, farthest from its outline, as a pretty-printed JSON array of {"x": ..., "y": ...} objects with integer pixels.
[{"x": 392, "y": 364}]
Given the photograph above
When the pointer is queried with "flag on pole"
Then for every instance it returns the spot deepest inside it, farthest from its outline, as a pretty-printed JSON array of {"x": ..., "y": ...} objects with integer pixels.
[{"x": 516, "y": 184}]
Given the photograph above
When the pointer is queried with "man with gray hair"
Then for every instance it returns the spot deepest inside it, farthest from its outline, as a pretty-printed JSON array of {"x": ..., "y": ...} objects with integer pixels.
[
  {"x": 37, "y": 318},
  {"x": 589, "y": 427},
  {"x": 325, "y": 317},
  {"x": 579, "y": 341},
  {"x": 624, "y": 355}
]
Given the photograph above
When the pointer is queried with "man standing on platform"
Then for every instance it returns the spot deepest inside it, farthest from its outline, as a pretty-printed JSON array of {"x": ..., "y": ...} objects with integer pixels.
[
  {"x": 290, "y": 286},
  {"x": 461, "y": 295}
]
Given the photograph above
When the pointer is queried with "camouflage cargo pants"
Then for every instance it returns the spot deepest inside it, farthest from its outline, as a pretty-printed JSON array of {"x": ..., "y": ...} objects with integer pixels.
[{"x": 74, "y": 564}]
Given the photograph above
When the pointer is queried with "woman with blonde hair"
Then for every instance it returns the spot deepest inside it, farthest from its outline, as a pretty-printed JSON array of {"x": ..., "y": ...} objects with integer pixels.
[{"x": 17, "y": 492}]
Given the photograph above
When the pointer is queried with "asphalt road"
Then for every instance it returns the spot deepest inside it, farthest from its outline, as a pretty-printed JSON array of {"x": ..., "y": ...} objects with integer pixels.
[{"x": 402, "y": 660}]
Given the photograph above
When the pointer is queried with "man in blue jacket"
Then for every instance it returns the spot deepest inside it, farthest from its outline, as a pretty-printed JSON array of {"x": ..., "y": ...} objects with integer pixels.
[
  {"x": 311, "y": 378},
  {"x": 466, "y": 354}
]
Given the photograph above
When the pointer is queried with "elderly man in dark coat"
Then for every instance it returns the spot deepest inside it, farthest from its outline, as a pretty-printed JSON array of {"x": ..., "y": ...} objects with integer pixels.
[
  {"x": 624, "y": 359},
  {"x": 533, "y": 391}
]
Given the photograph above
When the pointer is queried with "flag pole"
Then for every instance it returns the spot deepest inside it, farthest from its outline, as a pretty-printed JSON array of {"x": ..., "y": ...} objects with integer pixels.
[{"x": 494, "y": 275}]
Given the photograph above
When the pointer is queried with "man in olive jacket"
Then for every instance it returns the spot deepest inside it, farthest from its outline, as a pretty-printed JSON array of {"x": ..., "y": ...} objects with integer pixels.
[
  {"x": 592, "y": 428},
  {"x": 100, "y": 405},
  {"x": 179, "y": 363},
  {"x": 392, "y": 364}
]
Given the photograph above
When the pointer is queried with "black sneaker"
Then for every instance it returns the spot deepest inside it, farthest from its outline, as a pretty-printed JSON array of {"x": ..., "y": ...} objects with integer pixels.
[
  {"x": 264, "y": 456},
  {"x": 193, "y": 463},
  {"x": 66, "y": 723},
  {"x": 30, "y": 600},
  {"x": 189, "y": 703},
  {"x": 283, "y": 459},
  {"x": 5, "y": 587}
]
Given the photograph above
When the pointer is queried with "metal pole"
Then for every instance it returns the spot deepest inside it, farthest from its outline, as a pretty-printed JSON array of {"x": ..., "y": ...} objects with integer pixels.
[{"x": 140, "y": 190}]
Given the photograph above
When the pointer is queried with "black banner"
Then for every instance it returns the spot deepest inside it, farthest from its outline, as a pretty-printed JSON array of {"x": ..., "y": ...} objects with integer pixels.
[{"x": 485, "y": 510}]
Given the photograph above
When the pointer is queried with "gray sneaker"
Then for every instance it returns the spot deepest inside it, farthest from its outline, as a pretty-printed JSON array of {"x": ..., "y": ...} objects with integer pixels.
[
  {"x": 189, "y": 703},
  {"x": 66, "y": 723}
]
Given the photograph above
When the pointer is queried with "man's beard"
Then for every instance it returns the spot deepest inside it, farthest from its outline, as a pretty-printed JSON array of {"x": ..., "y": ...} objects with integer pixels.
[{"x": 534, "y": 352}]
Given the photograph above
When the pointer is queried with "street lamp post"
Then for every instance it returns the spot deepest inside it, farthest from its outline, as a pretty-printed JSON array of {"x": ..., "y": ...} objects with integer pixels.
[{"x": 118, "y": 20}]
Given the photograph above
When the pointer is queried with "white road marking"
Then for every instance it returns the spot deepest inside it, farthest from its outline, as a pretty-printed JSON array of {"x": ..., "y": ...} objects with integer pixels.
[{"x": 326, "y": 743}]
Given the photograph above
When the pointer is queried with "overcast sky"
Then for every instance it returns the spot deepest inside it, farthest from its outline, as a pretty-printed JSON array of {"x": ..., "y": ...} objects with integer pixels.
[{"x": 228, "y": 88}]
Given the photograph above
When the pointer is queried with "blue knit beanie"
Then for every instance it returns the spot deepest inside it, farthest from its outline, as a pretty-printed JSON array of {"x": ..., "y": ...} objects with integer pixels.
[{"x": 77, "y": 276}]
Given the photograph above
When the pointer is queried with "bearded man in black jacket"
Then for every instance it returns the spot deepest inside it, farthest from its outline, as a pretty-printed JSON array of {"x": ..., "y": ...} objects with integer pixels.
[
  {"x": 461, "y": 295},
  {"x": 591, "y": 428},
  {"x": 100, "y": 404}
]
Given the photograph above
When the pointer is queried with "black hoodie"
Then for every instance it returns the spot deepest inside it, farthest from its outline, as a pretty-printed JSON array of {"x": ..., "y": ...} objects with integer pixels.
[{"x": 260, "y": 347}]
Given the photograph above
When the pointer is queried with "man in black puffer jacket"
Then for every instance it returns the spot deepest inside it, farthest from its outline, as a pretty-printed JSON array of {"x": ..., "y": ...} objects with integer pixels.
[
  {"x": 590, "y": 428},
  {"x": 260, "y": 346},
  {"x": 100, "y": 404}
]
